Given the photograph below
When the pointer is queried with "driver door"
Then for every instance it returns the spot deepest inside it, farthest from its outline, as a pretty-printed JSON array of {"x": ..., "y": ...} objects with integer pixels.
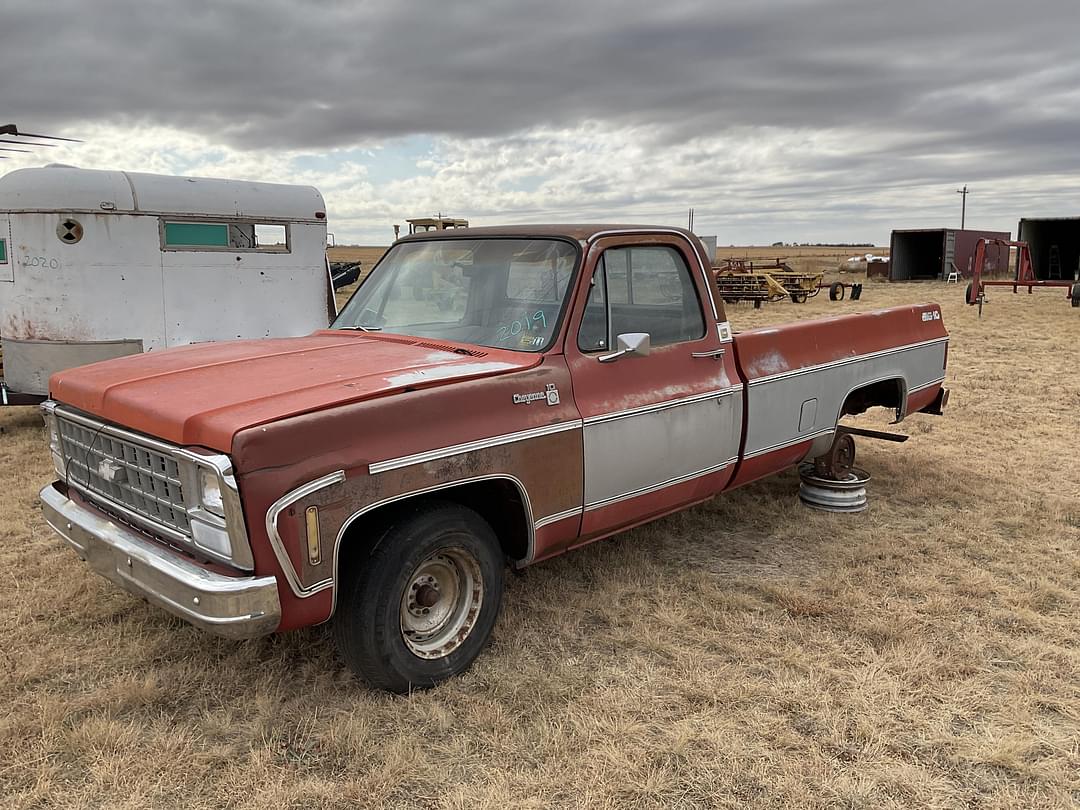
[{"x": 660, "y": 430}]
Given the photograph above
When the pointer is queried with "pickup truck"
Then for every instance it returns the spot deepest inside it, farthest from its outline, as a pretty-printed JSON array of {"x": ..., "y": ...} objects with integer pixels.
[{"x": 488, "y": 396}]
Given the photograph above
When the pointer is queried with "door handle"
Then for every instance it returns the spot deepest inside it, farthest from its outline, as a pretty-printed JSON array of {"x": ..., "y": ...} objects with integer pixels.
[{"x": 716, "y": 353}]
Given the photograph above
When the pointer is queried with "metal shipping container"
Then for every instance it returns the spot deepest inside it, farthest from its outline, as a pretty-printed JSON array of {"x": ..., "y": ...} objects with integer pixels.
[
  {"x": 1054, "y": 244},
  {"x": 933, "y": 253}
]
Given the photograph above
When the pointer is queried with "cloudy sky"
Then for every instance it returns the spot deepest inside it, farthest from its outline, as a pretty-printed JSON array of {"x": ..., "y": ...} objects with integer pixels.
[{"x": 794, "y": 120}]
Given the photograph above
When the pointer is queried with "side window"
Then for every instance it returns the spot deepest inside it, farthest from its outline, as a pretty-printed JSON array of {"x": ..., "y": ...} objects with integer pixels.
[
  {"x": 260, "y": 236},
  {"x": 3, "y": 251},
  {"x": 641, "y": 289}
]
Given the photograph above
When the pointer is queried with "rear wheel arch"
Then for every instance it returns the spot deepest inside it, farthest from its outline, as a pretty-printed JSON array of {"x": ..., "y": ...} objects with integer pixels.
[{"x": 890, "y": 392}]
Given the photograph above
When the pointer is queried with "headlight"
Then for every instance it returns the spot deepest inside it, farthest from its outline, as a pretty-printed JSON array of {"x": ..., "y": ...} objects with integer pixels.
[
  {"x": 210, "y": 495},
  {"x": 213, "y": 505}
]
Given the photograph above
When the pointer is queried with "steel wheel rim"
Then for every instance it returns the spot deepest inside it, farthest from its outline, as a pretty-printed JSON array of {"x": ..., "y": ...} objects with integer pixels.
[{"x": 441, "y": 603}]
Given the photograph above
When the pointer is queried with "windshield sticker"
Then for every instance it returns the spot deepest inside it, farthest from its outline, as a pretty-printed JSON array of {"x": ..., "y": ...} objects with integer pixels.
[{"x": 523, "y": 326}]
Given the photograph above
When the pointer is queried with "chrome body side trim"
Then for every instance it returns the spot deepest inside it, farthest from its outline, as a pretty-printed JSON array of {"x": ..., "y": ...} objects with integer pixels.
[
  {"x": 795, "y": 372},
  {"x": 661, "y": 485},
  {"x": 924, "y": 386},
  {"x": 279, "y": 506},
  {"x": 806, "y": 437},
  {"x": 530, "y": 522},
  {"x": 234, "y": 607},
  {"x": 569, "y": 513},
  {"x": 661, "y": 406},
  {"x": 471, "y": 447}
]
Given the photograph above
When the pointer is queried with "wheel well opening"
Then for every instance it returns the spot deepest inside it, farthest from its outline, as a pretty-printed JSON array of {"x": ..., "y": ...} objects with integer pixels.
[
  {"x": 884, "y": 394},
  {"x": 499, "y": 501}
]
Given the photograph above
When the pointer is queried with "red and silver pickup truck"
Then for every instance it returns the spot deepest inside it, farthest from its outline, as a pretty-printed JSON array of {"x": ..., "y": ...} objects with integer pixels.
[{"x": 487, "y": 396}]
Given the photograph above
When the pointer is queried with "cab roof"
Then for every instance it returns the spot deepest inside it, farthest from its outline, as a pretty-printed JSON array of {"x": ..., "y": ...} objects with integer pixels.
[{"x": 576, "y": 233}]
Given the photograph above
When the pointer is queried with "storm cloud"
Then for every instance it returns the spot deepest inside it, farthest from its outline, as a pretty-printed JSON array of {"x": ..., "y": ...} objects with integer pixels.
[{"x": 777, "y": 111}]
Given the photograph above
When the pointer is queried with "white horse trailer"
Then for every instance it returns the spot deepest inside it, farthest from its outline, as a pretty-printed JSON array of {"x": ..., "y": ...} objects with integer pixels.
[{"x": 101, "y": 264}]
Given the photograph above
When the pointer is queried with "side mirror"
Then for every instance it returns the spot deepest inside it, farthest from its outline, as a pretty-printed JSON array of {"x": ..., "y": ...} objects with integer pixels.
[{"x": 633, "y": 344}]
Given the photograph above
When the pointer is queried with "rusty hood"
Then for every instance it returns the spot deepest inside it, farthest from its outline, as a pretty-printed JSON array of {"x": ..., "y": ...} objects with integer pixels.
[{"x": 203, "y": 394}]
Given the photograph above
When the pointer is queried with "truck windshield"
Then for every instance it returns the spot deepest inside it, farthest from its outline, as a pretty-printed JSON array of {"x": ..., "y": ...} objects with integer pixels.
[{"x": 500, "y": 293}]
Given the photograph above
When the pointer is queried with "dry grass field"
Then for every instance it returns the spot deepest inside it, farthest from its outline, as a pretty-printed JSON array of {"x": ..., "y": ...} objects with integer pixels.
[{"x": 745, "y": 653}]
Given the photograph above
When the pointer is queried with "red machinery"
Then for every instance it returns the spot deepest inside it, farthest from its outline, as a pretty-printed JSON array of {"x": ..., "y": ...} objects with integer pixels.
[{"x": 1025, "y": 275}]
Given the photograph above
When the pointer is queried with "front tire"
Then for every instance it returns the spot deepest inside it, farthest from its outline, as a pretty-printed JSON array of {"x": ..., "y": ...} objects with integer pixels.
[{"x": 419, "y": 606}]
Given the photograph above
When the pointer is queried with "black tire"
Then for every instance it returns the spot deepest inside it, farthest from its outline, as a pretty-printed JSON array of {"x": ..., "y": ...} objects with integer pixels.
[
  {"x": 757, "y": 303},
  {"x": 372, "y": 614},
  {"x": 798, "y": 298},
  {"x": 856, "y": 292},
  {"x": 1075, "y": 294},
  {"x": 836, "y": 291},
  {"x": 967, "y": 293}
]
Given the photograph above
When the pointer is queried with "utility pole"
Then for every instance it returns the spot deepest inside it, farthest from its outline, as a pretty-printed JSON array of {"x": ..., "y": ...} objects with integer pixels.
[{"x": 963, "y": 205}]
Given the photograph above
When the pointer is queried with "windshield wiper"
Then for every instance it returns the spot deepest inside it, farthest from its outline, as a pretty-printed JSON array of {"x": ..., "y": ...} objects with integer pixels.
[{"x": 362, "y": 328}]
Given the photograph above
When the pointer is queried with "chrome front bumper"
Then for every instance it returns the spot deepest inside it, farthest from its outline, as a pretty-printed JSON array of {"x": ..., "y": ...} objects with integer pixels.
[{"x": 234, "y": 607}]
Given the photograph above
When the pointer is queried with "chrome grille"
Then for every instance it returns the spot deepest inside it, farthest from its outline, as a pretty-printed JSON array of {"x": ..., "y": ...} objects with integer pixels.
[{"x": 113, "y": 471}]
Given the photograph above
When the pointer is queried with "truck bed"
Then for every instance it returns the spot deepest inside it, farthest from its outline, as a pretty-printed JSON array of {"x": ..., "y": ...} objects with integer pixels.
[{"x": 798, "y": 378}]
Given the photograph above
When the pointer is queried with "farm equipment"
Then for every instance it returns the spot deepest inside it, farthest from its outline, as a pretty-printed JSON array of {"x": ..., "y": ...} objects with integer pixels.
[
  {"x": 342, "y": 274},
  {"x": 1025, "y": 275},
  {"x": 745, "y": 280},
  {"x": 838, "y": 289},
  {"x": 19, "y": 138},
  {"x": 435, "y": 223}
]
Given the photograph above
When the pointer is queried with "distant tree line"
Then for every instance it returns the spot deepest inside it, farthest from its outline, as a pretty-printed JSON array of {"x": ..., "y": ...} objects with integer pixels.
[{"x": 823, "y": 244}]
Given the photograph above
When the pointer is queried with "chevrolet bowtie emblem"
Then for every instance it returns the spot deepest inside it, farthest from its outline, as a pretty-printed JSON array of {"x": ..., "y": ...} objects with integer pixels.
[{"x": 111, "y": 471}]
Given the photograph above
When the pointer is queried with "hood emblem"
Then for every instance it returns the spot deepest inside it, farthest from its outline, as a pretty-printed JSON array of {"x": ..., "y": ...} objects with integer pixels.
[
  {"x": 111, "y": 471},
  {"x": 550, "y": 395}
]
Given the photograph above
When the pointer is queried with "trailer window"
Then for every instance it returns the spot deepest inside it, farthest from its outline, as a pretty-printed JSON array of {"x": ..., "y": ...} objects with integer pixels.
[
  {"x": 196, "y": 234},
  {"x": 3, "y": 251},
  {"x": 268, "y": 237}
]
